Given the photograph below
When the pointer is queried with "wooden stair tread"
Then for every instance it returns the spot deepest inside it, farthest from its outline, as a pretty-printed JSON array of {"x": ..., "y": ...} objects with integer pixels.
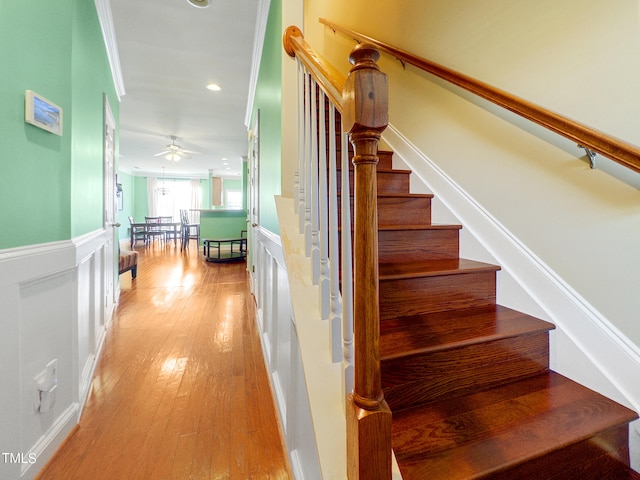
[
  {"x": 427, "y": 268},
  {"x": 499, "y": 428},
  {"x": 395, "y": 195},
  {"x": 420, "y": 226},
  {"x": 454, "y": 329},
  {"x": 379, "y": 169},
  {"x": 414, "y": 226}
]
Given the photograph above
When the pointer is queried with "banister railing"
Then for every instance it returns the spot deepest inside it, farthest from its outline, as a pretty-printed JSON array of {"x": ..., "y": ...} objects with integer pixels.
[
  {"x": 586, "y": 137},
  {"x": 359, "y": 104}
]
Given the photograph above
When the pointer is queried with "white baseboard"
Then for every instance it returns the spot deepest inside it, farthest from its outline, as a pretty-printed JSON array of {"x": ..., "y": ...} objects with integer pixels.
[
  {"x": 46, "y": 446},
  {"x": 610, "y": 362}
]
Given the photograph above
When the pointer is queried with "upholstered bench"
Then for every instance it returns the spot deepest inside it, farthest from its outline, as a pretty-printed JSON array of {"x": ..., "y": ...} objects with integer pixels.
[{"x": 128, "y": 260}]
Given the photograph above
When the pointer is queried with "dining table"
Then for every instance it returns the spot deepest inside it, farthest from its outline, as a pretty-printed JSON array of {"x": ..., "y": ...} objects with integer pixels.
[{"x": 147, "y": 226}]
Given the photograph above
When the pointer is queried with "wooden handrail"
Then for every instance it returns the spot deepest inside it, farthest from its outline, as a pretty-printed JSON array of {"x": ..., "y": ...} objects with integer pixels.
[
  {"x": 325, "y": 74},
  {"x": 617, "y": 150}
]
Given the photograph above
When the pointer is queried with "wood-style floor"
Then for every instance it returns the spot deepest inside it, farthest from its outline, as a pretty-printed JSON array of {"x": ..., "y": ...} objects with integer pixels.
[{"x": 180, "y": 390}]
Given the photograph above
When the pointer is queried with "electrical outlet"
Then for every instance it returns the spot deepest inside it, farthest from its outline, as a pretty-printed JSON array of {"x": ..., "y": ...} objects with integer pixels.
[
  {"x": 45, "y": 386},
  {"x": 37, "y": 381},
  {"x": 52, "y": 373}
]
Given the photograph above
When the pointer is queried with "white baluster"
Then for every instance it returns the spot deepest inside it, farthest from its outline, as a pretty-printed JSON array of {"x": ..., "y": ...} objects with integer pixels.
[
  {"x": 307, "y": 165},
  {"x": 315, "y": 200},
  {"x": 323, "y": 207},
  {"x": 335, "y": 317},
  {"x": 301, "y": 146},
  {"x": 296, "y": 174},
  {"x": 347, "y": 272}
]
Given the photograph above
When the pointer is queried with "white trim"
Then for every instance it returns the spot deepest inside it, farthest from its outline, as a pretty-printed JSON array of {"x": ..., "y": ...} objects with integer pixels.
[
  {"x": 103, "y": 8},
  {"x": 272, "y": 243},
  {"x": 258, "y": 44},
  {"x": 87, "y": 244},
  {"x": 31, "y": 262},
  {"x": 606, "y": 348},
  {"x": 30, "y": 266},
  {"x": 48, "y": 443}
]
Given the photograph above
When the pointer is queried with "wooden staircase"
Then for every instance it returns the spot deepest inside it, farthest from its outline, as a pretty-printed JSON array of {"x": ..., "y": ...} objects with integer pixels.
[
  {"x": 457, "y": 384},
  {"x": 467, "y": 380}
]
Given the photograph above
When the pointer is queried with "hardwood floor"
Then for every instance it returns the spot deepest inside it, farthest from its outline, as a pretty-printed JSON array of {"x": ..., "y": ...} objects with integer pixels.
[{"x": 181, "y": 390}]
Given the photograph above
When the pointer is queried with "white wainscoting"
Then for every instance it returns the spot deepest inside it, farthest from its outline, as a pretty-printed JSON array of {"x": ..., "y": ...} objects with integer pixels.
[
  {"x": 585, "y": 346},
  {"x": 282, "y": 355},
  {"x": 297, "y": 346},
  {"x": 52, "y": 308}
]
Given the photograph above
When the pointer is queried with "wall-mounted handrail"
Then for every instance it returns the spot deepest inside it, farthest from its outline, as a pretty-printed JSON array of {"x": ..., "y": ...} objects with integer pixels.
[{"x": 617, "y": 150}]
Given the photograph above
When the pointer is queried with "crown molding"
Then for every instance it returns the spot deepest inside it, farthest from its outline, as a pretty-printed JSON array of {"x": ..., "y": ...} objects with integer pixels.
[{"x": 103, "y": 8}]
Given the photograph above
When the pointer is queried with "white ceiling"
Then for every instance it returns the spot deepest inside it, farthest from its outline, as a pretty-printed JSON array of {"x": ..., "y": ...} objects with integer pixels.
[{"x": 169, "y": 51}]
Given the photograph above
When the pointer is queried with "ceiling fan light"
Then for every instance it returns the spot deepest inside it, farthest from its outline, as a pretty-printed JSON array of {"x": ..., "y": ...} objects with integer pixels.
[
  {"x": 173, "y": 157},
  {"x": 199, "y": 3}
]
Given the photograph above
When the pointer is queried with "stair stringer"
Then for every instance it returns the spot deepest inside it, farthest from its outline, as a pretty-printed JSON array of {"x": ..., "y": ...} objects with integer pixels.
[{"x": 585, "y": 346}]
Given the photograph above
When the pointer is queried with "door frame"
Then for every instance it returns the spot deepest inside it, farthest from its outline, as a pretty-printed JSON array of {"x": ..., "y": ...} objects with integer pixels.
[{"x": 111, "y": 286}]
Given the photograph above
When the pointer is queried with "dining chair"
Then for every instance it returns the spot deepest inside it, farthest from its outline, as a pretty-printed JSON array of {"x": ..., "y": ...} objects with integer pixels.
[
  {"x": 169, "y": 231},
  {"x": 136, "y": 233},
  {"x": 154, "y": 229},
  {"x": 189, "y": 230}
]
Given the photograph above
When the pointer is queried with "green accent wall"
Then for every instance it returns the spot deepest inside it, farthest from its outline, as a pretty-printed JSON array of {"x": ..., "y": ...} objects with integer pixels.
[
  {"x": 50, "y": 185},
  {"x": 91, "y": 79},
  {"x": 268, "y": 99},
  {"x": 128, "y": 202},
  {"x": 216, "y": 224}
]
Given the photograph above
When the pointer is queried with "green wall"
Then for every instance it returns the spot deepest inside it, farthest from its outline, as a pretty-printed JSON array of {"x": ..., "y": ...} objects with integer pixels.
[
  {"x": 48, "y": 183},
  {"x": 91, "y": 78},
  {"x": 128, "y": 202},
  {"x": 268, "y": 99},
  {"x": 222, "y": 224}
]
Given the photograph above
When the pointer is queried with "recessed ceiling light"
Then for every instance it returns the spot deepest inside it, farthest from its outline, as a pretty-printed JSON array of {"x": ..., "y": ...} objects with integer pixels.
[
  {"x": 214, "y": 87},
  {"x": 199, "y": 3}
]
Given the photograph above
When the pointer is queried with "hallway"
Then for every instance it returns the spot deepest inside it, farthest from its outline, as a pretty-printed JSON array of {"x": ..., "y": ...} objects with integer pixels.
[{"x": 180, "y": 391}]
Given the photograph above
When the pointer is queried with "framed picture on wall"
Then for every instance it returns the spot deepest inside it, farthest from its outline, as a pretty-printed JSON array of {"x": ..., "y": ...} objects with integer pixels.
[{"x": 42, "y": 113}]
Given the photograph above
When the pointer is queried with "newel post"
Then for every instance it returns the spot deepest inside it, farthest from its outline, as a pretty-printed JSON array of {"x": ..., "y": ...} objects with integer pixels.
[{"x": 368, "y": 415}]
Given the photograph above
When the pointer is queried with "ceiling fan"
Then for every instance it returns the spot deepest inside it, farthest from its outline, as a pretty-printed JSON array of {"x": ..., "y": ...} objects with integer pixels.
[{"x": 175, "y": 152}]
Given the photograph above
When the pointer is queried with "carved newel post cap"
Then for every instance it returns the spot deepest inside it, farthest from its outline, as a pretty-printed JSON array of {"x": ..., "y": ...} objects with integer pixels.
[
  {"x": 365, "y": 92},
  {"x": 364, "y": 55}
]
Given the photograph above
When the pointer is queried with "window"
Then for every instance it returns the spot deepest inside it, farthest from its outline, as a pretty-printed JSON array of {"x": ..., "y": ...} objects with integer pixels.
[
  {"x": 233, "y": 200},
  {"x": 175, "y": 195}
]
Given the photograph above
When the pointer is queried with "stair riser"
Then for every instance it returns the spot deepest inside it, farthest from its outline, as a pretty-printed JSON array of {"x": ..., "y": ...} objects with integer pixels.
[
  {"x": 385, "y": 158},
  {"x": 401, "y": 211},
  {"x": 388, "y": 182},
  {"x": 405, "y": 246},
  {"x": 427, "y": 377},
  {"x": 414, "y": 296},
  {"x": 417, "y": 245}
]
